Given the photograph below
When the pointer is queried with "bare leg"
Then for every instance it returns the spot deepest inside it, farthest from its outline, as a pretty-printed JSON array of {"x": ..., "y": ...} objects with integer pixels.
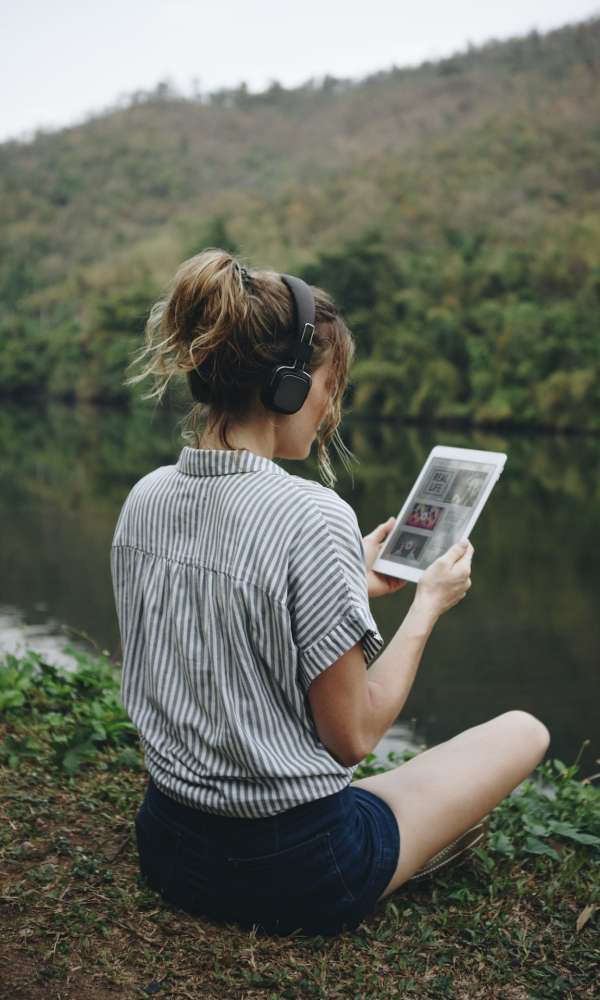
[{"x": 443, "y": 791}]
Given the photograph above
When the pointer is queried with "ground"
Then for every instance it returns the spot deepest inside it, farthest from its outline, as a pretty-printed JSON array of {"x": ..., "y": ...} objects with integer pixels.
[{"x": 517, "y": 921}]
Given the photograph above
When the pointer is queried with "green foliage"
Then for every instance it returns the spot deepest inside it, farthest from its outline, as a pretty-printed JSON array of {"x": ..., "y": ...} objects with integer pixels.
[
  {"x": 438, "y": 386},
  {"x": 564, "y": 395},
  {"x": 16, "y": 682},
  {"x": 382, "y": 386},
  {"x": 73, "y": 712},
  {"x": 214, "y": 232},
  {"x": 372, "y": 764},
  {"x": 23, "y": 353},
  {"x": 547, "y": 815},
  {"x": 364, "y": 277},
  {"x": 117, "y": 317}
]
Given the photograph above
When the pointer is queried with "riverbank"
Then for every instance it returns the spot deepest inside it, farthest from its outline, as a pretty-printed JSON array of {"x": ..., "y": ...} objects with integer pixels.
[{"x": 517, "y": 921}]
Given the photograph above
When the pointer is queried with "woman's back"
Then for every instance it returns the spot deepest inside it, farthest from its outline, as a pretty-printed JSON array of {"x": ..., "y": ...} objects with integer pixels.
[{"x": 236, "y": 584}]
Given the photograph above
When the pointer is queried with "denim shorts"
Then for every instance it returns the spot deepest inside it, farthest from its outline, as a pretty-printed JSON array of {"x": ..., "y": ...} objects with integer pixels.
[{"x": 318, "y": 868}]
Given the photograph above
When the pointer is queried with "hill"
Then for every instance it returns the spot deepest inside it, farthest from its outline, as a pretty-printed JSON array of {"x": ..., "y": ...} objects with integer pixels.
[{"x": 453, "y": 210}]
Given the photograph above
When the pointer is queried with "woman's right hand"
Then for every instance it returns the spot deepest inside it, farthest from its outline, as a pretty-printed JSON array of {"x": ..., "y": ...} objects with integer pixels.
[{"x": 446, "y": 581}]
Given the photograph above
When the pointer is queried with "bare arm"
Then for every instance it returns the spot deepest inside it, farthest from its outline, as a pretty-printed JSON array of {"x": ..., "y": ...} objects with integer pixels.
[{"x": 354, "y": 707}]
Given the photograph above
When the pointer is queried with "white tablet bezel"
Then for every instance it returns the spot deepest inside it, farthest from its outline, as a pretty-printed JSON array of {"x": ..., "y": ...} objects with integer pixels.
[{"x": 402, "y": 570}]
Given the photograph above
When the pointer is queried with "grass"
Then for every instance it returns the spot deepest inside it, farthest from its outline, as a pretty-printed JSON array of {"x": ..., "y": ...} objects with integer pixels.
[{"x": 517, "y": 921}]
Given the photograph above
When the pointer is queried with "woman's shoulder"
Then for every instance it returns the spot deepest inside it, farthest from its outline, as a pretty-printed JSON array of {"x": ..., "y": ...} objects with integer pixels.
[
  {"x": 318, "y": 497},
  {"x": 146, "y": 486}
]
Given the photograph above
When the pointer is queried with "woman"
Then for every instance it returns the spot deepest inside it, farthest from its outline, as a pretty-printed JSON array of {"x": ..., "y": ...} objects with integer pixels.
[{"x": 243, "y": 600}]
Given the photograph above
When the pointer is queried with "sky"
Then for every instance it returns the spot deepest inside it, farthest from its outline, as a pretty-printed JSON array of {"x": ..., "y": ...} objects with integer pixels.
[{"x": 64, "y": 60}]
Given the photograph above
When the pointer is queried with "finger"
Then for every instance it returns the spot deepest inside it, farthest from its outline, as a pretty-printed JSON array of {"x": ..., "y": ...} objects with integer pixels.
[
  {"x": 391, "y": 581},
  {"x": 467, "y": 554},
  {"x": 461, "y": 575},
  {"x": 456, "y": 552},
  {"x": 465, "y": 559}
]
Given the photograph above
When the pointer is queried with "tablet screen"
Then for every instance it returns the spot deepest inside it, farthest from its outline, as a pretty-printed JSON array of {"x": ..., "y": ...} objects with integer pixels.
[{"x": 438, "y": 512}]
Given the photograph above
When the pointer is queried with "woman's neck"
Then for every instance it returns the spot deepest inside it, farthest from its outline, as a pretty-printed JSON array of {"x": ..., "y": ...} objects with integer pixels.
[{"x": 249, "y": 438}]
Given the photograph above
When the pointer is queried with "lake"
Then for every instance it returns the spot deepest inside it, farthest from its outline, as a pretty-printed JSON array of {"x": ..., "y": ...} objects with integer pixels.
[{"x": 527, "y": 635}]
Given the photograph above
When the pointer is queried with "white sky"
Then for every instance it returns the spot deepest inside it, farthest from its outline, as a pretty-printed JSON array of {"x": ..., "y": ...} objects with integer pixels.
[{"x": 62, "y": 60}]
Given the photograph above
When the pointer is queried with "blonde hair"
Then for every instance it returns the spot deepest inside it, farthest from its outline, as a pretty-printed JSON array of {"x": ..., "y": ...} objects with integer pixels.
[{"x": 232, "y": 326}]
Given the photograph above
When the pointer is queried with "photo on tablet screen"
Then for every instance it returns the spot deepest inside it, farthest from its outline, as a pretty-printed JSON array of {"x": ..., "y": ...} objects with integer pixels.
[
  {"x": 465, "y": 488},
  {"x": 409, "y": 546},
  {"x": 424, "y": 515}
]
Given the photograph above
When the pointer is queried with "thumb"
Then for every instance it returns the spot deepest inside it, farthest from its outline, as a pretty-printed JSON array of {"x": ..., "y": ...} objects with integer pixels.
[{"x": 382, "y": 530}]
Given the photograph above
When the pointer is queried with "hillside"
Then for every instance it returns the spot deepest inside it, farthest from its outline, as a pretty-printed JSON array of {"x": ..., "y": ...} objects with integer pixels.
[{"x": 452, "y": 209}]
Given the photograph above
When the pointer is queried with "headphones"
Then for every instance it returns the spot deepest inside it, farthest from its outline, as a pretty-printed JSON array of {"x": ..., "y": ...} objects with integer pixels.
[{"x": 287, "y": 386}]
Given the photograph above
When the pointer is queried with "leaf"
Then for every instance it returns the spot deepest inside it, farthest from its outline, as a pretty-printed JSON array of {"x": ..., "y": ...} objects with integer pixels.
[
  {"x": 535, "y": 828},
  {"x": 19, "y": 750},
  {"x": 462, "y": 895},
  {"x": 501, "y": 844},
  {"x": 11, "y": 699},
  {"x": 571, "y": 833},
  {"x": 128, "y": 757},
  {"x": 76, "y": 756},
  {"x": 535, "y": 846},
  {"x": 487, "y": 861},
  {"x": 54, "y": 719},
  {"x": 584, "y": 916},
  {"x": 585, "y": 838}
]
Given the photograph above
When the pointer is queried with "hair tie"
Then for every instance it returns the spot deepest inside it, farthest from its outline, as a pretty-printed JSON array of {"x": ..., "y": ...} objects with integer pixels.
[
  {"x": 243, "y": 273},
  {"x": 246, "y": 276}
]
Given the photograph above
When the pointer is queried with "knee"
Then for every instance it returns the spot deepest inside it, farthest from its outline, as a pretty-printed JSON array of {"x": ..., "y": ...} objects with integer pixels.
[{"x": 527, "y": 727}]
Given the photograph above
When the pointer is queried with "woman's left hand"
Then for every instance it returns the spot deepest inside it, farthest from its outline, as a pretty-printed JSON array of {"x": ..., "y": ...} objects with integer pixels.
[{"x": 379, "y": 584}]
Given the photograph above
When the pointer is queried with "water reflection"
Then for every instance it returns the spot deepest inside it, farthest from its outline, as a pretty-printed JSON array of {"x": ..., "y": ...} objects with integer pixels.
[
  {"x": 50, "y": 638},
  {"x": 526, "y": 636}
]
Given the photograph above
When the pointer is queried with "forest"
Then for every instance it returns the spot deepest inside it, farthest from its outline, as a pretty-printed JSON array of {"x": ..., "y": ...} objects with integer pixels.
[{"x": 451, "y": 209}]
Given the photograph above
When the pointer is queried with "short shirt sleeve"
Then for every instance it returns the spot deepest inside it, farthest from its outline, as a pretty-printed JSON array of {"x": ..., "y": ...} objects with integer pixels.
[{"x": 328, "y": 598}]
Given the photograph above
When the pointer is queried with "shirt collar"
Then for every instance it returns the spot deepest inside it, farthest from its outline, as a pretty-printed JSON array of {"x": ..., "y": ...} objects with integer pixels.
[{"x": 220, "y": 462}]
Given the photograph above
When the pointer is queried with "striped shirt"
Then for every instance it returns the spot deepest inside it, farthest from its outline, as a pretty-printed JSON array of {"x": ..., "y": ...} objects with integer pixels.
[{"x": 236, "y": 584}]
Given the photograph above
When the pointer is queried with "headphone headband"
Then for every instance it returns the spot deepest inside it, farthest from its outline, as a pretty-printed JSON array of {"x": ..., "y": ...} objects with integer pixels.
[
  {"x": 304, "y": 302},
  {"x": 289, "y": 385}
]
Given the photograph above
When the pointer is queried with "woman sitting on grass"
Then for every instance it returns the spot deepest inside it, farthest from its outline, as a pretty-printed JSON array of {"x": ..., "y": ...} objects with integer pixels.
[{"x": 242, "y": 594}]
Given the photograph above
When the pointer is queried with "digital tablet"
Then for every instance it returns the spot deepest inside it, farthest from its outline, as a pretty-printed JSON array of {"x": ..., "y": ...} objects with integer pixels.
[{"x": 441, "y": 508}]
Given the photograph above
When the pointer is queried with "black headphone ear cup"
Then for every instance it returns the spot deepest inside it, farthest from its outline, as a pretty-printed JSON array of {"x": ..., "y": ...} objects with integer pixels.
[{"x": 287, "y": 391}]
